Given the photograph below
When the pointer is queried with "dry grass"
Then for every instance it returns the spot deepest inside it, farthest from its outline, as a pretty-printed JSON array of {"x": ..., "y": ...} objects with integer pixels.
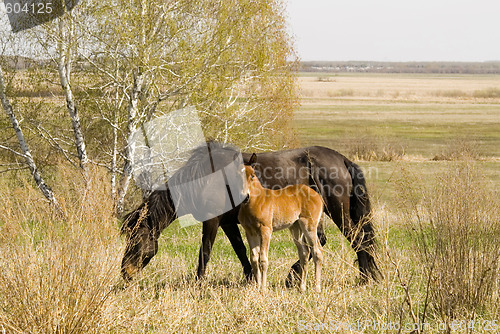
[
  {"x": 62, "y": 276},
  {"x": 460, "y": 149},
  {"x": 489, "y": 93},
  {"x": 403, "y": 87},
  {"x": 57, "y": 274},
  {"x": 375, "y": 149},
  {"x": 456, "y": 226}
]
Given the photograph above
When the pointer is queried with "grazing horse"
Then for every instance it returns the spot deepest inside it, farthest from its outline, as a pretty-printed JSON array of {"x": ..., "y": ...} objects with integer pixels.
[
  {"x": 339, "y": 181},
  {"x": 296, "y": 207}
]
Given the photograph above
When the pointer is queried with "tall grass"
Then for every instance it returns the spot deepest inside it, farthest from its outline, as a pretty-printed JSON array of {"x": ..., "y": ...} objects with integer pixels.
[
  {"x": 456, "y": 224},
  {"x": 62, "y": 276},
  {"x": 489, "y": 93},
  {"x": 460, "y": 149},
  {"x": 375, "y": 149},
  {"x": 57, "y": 274}
]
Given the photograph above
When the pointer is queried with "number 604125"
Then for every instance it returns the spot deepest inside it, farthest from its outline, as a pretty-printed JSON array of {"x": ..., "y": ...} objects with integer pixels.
[{"x": 32, "y": 8}]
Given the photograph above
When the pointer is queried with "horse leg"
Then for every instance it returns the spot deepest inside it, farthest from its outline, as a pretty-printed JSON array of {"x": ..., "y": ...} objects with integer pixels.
[
  {"x": 233, "y": 233},
  {"x": 265, "y": 235},
  {"x": 302, "y": 251},
  {"x": 339, "y": 212},
  {"x": 311, "y": 236},
  {"x": 363, "y": 243},
  {"x": 209, "y": 233},
  {"x": 318, "y": 263},
  {"x": 254, "y": 243},
  {"x": 295, "y": 272}
]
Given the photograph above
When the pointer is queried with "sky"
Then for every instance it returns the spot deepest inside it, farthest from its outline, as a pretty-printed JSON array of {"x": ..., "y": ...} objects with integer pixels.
[{"x": 396, "y": 30}]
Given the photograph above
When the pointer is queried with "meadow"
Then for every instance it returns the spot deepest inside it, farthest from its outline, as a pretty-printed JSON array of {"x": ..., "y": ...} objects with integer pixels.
[{"x": 430, "y": 147}]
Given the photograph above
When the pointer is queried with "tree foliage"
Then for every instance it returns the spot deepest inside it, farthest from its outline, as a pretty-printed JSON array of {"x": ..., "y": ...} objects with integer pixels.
[{"x": 129, "y": 62}]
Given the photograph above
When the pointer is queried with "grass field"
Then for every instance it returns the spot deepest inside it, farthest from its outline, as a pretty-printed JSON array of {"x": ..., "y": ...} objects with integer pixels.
[
  {"x": 414, "y": 121},
  {"x": 430, "y": 147},
  {"x": 423, "y": 115}
]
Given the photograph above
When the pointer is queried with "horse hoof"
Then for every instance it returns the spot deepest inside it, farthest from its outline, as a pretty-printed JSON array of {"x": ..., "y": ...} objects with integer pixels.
[
  {"x": 291, "y": 281},
  {"x": 363, "y": 280},
  {"x": 249, "y": 277}
]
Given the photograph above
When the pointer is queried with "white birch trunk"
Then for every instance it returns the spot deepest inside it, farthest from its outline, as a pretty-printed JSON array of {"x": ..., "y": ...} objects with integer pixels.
[
  {"x": 133, "y": 113},
  {"x": 46, "y": 190},
  {"x": 64, "y": 69},
  {"x": 132, "y": 124},
  {"x": 114, "y": 158}
]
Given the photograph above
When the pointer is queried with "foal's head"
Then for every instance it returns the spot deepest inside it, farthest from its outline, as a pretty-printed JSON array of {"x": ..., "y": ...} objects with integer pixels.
[{"x": 251, "y": 181}]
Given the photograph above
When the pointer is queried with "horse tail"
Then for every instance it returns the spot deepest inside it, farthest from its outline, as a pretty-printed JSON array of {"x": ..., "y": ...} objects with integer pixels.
[
  {"x": 316, "y": 184},
  {"x": 360, "y": 207},
  {"x": 155, "y": 213},
  {"x": 361, "y": 214}
]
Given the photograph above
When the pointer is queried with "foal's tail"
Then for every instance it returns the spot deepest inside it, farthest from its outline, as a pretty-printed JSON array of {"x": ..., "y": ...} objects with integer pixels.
[{"x": 364, "y": 234}]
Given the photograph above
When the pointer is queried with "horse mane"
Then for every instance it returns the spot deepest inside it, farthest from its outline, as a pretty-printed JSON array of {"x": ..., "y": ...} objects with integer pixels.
[
  {"x": 158, "y": 210},
  {"x": 155, "y": 213},
  {"x": 196, "y": 166}
]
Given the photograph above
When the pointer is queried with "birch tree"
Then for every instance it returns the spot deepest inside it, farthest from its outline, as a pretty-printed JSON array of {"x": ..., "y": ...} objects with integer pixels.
[
  {"x": 9, "y": 43},
  {"x": 65, "y": 48},
  {"x": 228, "y": 59},
  {"x": 25, "y": 151},
  {"x": 57, "y": 41},
  {"x": 123, "y": 63}
]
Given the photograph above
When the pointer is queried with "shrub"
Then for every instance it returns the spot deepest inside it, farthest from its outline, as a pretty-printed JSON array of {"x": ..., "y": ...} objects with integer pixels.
[
  {"x": 375, "y": 149},
  {"x": 489, "y": 93},
  {"x": 456, "y": 226},
  {"x": 460, "y": 149}
]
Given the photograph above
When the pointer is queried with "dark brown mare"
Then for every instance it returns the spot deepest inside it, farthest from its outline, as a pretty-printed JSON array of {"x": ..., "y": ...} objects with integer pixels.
[{"x": 339, "y": 181}]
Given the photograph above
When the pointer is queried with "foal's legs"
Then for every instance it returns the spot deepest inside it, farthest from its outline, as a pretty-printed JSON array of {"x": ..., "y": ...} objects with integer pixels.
[
  {"x": 303, "y": 251},
  {"x": 295, "y": 272},
  {"x": 265, "y": 237},
  {"x": 254, "y": 244},
  {"x": 309, "y": 228}
]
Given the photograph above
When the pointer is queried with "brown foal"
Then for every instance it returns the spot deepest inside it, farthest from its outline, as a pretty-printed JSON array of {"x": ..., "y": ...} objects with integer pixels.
[{"x": 296, "y": 207}]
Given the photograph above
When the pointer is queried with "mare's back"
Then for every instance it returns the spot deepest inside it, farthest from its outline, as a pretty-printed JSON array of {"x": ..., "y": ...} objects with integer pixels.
[{"x": 288, "y": 167}]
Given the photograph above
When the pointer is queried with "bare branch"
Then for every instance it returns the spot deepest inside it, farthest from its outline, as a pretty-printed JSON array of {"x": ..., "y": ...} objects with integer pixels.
[{"x": 12, "y": 151}]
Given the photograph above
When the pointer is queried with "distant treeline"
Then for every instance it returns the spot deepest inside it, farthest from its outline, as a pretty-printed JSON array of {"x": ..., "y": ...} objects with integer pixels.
[
  {"x": 491, "y": 67},
  {"x": 22, "y": 63},
  {"x": 488, "y": 67}
]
